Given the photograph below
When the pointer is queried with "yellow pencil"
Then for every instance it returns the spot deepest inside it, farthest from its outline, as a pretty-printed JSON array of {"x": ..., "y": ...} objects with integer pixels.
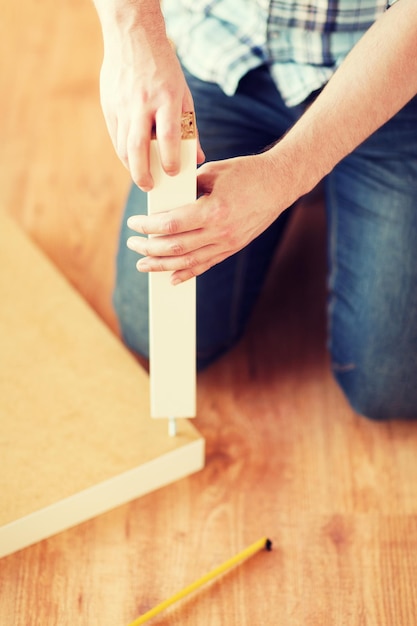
[{"x": 221, "y": 569}]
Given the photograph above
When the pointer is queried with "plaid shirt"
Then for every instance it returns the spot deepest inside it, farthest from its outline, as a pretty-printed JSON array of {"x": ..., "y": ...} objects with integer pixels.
[{"x": 302, "y": 41}]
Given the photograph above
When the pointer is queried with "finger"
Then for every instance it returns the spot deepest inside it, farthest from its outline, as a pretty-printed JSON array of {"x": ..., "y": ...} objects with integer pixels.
[
  {"x": 205, "y": 179},
  {"x": 181, "y": 276},
  {"x": 189, "y": 261},
  {"x": 168, "y": 134},
  {"x": 180, "y": 220},
  {"x": 167, "y": 246},
  {"x": 138, "y": 245}
]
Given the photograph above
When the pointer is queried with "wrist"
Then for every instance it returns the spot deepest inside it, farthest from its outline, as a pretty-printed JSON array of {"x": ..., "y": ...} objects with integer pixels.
[{"x": 291, "y": 166}]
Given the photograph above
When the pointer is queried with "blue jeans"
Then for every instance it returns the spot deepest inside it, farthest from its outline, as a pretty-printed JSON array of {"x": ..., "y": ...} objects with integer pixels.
[{"x": 371, "y": 202}]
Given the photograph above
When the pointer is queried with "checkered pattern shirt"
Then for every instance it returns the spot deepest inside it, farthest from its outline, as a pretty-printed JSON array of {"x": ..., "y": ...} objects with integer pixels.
[{"x": 302, "y": 41}]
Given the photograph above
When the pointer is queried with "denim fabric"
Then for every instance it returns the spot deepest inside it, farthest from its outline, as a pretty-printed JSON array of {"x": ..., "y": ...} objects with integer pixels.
[
  {"x": 372, "y": 243},
  {"x": 371, "y": 200}
]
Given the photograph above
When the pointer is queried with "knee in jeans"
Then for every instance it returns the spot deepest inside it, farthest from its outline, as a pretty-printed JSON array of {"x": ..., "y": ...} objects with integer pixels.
[
  {"x": 132, "y": 325},
  {"x": 364, "y": 393}
]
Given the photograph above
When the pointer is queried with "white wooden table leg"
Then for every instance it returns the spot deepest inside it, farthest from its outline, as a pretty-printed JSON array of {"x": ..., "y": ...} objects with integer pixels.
[{"x": 172, "y": 309}]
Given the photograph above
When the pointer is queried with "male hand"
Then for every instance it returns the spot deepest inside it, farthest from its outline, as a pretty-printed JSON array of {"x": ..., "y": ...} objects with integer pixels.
[
  {"x": 142, "y": 87},
  {"x": 237, "y": 201}
]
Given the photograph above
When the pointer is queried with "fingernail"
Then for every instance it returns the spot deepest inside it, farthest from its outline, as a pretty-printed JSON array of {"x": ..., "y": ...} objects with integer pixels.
[
  {"x": 172, "y": 170},
  {"x": 142, "y": 266},
  {"x": 132, "y": 222}
]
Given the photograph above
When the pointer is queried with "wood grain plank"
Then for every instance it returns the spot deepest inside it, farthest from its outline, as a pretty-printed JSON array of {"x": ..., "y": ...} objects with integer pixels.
[{"x": 76, "y": 437}]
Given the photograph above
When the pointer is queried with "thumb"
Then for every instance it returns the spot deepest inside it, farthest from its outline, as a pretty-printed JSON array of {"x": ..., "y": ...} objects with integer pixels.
[{"x": 205, "y": 179}]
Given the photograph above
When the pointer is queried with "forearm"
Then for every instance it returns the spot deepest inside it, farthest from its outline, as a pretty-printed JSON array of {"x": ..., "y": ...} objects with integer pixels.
[
  {"x": 375, "y": 81},
  {"x": 129, "y": 15}
]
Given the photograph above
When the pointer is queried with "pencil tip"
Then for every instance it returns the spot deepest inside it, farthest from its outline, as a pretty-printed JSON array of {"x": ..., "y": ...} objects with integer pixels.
[{"x": 268, "y": 545}]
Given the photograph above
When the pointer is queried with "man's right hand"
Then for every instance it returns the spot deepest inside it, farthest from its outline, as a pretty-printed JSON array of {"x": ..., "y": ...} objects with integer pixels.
[{"x": 142, "y": 87}]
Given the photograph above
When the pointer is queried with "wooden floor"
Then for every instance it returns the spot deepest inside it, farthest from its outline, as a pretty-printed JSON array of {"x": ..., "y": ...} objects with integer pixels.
[{"x": 286, "y": 457}]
